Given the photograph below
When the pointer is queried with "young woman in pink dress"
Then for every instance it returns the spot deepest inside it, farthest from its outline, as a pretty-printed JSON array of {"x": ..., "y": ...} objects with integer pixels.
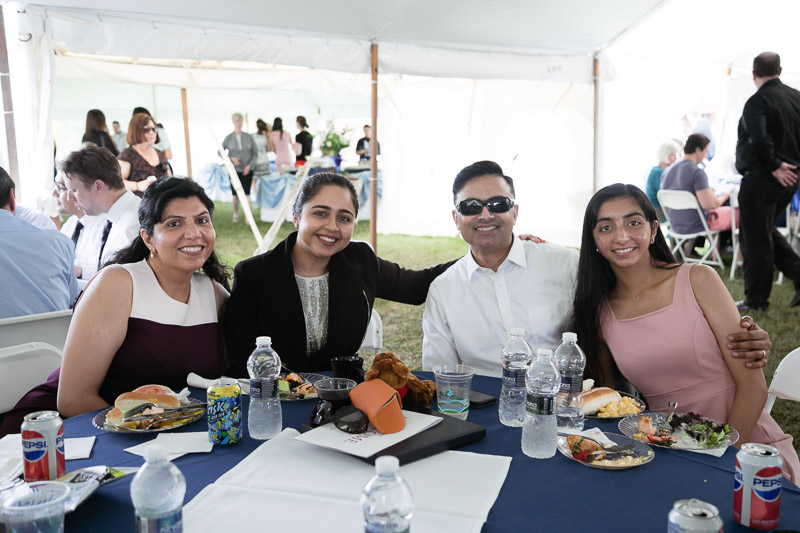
[
  {"x": 664, "y": 325},
  {"x": 284, "y": 153}
]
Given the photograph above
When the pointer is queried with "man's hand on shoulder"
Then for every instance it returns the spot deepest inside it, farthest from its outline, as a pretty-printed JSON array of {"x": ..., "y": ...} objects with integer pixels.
[
  {"x": 751, "y": 344},
  {"x": 786, "y": 174}
]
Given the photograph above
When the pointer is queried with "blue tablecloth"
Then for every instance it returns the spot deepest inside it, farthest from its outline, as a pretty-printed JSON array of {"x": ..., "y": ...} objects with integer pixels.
[{"x": 555, "y": 494}]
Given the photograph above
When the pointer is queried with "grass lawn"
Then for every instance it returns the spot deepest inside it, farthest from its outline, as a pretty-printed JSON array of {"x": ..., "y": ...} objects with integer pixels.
[{"x": 403, "y": 323}]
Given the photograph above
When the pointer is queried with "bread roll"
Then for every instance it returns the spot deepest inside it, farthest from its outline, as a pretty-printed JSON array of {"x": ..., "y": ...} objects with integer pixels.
[
  {"x": 128, "y": 400},
  {"x": 597, "y": 398}
]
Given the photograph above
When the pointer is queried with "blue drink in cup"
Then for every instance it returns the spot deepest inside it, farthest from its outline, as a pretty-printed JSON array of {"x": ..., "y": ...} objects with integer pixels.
[{"x": 453, "y": 383}]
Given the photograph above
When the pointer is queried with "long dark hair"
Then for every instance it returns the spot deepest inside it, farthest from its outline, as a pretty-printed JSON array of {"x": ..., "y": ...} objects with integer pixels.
[
  {"x": 156, "y": 198},
  {"x": 595, "y": 277},
  {"x": 277, "y": 125},
  {"x": 313, "y": 184}
]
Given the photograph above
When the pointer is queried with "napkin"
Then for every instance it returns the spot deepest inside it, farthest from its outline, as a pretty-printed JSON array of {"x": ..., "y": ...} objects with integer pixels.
[
  {"x": 10, "y": 457},
  {"x": 78, "y": 448},
  {"x": 177, "y": 444},
  {"x": 285, "y": 478}
]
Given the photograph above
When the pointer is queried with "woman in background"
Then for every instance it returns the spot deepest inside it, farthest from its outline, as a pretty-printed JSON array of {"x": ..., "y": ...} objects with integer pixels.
[
  {"x": 97, "y": 131},
  {"x": 242, "y": 153},
  {"x": 141, "y": 164},
  {"x": 303, "y": 142},
  {"x": 282, "y": 142},
  {"x": 162, "y": 143},
  {"x": 667, "y": 154},
  {"x": 664, "y": 325},
  {"x": 263, "y": 146}
]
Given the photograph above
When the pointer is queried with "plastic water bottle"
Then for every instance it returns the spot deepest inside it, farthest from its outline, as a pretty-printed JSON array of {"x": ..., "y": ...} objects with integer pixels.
[
  {"x": 264, "y": 419},
  {"x": 386, "y": 499},
  {"x": 516, "y": 356},
  {"x": 570, "y": 361},
  {"x": 157, "y": 492},
  {"x": 539, "y": 429}
]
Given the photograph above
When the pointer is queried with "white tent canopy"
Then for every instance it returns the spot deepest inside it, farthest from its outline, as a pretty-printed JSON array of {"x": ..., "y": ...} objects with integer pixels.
[{"x": 459, "y": 81}]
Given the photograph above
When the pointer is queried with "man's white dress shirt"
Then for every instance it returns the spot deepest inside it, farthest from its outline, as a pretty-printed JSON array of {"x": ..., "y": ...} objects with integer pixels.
[
  {"x": 87, "y": 249},
  {"x": 470, "y": 309},
  {"x": 124, "y": 217}
]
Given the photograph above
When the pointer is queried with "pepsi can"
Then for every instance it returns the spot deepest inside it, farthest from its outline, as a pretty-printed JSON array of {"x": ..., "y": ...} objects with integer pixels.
[
  {"x": 43, "y": 446},
  {"x": 694, "y": 516},
  {"x": 757, "y": 486}
]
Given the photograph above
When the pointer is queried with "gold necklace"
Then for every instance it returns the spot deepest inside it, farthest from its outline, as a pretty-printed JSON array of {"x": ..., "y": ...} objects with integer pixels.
[{"x": 631, "y": 296}]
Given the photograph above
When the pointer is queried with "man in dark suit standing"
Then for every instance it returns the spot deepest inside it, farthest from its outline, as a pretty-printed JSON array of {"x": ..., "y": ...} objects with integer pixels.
[{"x": 767, "y": 155}]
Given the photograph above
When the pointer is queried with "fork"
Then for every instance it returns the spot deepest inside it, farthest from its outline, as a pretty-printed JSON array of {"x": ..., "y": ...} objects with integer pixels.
[
  {"x": 140, "y": 409},
  {"x": 665, "y": 424}
]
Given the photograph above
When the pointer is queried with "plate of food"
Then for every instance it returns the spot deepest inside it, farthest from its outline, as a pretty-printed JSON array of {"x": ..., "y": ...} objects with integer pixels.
[
  {"x": 293, "y": 386},
  {"x": 603, "y": 402},
  {"x": 689, "y": 431},
  {"x": 627, "y": 453},
  {"x": 149, "y": 409}
]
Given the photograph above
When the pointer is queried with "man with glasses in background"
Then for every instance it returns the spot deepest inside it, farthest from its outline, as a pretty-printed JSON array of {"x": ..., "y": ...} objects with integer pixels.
[
  {"x": 501, "y": 283},
  {"x": 504, "y": 282},
  {"x": 84, "y": 230}
]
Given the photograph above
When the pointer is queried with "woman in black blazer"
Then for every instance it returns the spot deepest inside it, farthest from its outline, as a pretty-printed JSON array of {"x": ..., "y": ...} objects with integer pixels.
[{"x": 314, "y": 292}]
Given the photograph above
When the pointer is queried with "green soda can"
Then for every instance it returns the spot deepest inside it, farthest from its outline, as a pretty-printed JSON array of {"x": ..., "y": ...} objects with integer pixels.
[{"x": 224, "y": 411}]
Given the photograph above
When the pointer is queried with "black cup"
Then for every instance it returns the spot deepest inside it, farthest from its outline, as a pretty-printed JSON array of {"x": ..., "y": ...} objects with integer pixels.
[
  {"x": 334, "y": 393},
  {"x": 348, "y": 367}
]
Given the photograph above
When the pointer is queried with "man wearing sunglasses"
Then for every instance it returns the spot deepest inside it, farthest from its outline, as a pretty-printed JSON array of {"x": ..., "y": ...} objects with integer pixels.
[{"x": 504, "y": 282}]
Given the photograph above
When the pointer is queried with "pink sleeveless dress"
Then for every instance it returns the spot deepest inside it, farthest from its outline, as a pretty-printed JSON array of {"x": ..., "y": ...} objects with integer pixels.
[{"x": 672, "y": 354}]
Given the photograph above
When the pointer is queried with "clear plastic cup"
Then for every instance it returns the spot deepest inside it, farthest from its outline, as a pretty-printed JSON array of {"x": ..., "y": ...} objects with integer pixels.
[
  {"x": 453, "y": 383},
  {"x": 35, "y": 507}
]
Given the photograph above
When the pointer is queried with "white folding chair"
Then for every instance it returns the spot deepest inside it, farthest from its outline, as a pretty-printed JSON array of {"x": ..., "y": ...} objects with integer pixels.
[
  {"x": 22, "y": 367},
  {"x": 786, "y": 380},
  {"x": 42, "y": 327},
  {"x": 373, "y": 339},
  {"x": 786, "y": 231},
  {"x": 684, "y": 200},
  {"x": 734, "y": 232}
]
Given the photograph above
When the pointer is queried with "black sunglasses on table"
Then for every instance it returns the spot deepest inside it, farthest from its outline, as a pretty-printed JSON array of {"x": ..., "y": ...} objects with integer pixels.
[{"x": 495, "y": 204}]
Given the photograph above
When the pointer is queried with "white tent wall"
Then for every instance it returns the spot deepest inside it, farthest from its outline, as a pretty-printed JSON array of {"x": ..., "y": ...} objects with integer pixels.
[{"x": 31, "y": 65}]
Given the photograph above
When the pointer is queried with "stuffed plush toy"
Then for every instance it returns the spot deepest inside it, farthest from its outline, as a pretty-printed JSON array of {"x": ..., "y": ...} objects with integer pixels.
[{"x": 414, "y": 393}]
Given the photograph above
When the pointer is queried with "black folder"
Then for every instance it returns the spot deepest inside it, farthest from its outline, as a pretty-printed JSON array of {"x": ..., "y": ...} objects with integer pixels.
[{"x": 448, "y": 434}]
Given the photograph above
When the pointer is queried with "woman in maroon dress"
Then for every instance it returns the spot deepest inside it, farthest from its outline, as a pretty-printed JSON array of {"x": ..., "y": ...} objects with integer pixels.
[{"x": 149, "y": 318}]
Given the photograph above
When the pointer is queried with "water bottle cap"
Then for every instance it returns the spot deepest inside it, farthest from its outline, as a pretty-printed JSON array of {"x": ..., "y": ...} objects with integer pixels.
[
  {"x": 544, "y": 351},
  {"x": 155, "y": 453},
  {"x": 386, "y": 464},
  {"x": 263, "y": 341},
  {"x": 568, "y": 336},
  {"x": 518, "y": 331}
]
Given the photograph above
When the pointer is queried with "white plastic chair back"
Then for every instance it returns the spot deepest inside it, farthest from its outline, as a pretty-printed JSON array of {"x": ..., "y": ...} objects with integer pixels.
[
  {"x": 22, "y": 367},
  {"x": 50, "y": 328},
  {"x": 683, "y": 200},
  {"x": 373, "y": 340},
  {"x": 786, "y": 380}
]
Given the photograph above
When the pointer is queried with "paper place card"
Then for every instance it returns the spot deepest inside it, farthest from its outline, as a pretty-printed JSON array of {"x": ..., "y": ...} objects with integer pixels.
[{"x": 370, "y": 442}]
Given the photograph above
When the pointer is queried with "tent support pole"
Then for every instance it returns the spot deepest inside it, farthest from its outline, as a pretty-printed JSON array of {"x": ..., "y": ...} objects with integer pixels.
[
  {"x": 373, "y": 153},
  {"x": 596, "y": 125},
  {"x": 186, "y": 132},
  {"x": 8, "y": 107}
]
